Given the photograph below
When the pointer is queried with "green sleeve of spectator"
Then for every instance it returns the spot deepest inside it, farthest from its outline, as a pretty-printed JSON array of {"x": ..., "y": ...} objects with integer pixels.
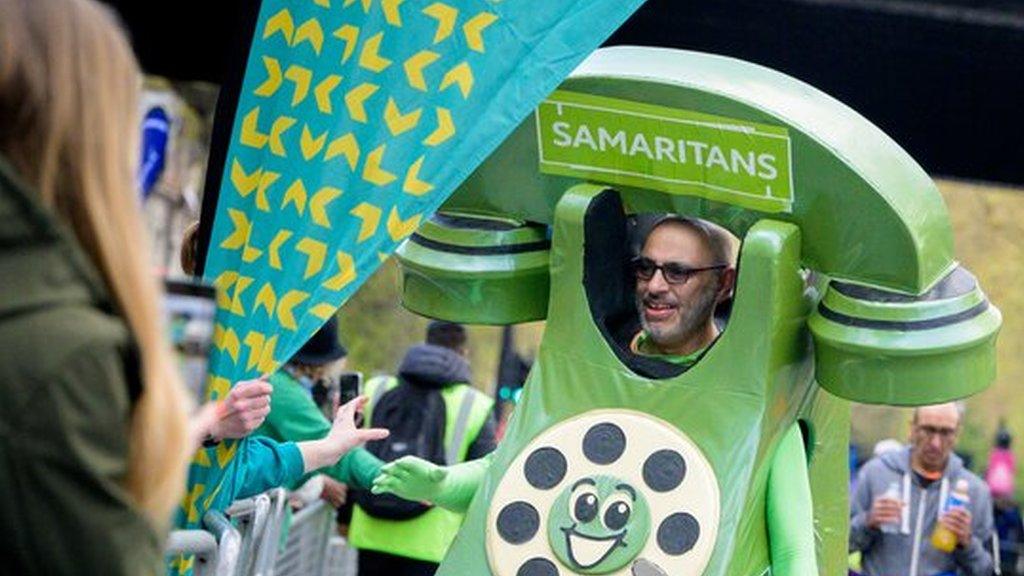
[{"x": 358, "y": 468}]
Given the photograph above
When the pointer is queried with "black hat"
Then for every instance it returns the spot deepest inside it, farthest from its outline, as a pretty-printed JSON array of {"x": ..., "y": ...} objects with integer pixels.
[{"x": 323, "y": 347}]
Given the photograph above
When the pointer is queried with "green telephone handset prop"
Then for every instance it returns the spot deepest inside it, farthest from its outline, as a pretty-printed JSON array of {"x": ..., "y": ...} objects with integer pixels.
[{"x": 702, "y": 458}]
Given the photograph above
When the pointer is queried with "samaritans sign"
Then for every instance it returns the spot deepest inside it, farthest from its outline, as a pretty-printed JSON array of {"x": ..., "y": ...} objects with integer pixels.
[{"x": 676, "y": 151}]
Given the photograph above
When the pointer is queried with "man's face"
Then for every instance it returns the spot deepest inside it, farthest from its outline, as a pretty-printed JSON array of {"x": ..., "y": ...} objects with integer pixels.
[
  {"x": 671, "y": 313},
  {"x": 933, "y": 435}
]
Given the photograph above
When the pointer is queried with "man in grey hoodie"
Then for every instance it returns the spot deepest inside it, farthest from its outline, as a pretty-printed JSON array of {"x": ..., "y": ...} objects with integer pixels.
[
  {"x": 431, "y": 373},
  {"x": 899, "y": 502}
]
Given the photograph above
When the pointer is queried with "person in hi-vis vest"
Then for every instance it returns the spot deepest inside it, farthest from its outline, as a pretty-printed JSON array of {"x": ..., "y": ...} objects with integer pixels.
[{"x": 416, "y": 545}]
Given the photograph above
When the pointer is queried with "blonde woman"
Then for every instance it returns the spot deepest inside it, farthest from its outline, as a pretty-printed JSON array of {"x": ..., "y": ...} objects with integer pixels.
[
  {"x": 93, "y": 438},
  {"x": 93, "y": 434}
]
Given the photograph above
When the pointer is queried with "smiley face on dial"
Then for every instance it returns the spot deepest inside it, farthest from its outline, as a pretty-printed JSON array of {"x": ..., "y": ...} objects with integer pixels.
[{"x": 607, "y": 492}]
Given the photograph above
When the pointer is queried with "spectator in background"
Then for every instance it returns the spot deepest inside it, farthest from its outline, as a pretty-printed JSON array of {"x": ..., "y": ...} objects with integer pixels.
[
  {"x": 189, "y": 249},
  {"x": 1002, "y": 465},
  {"x": 437, "y": 415},
  {"x": 1000, "y": 477},
  {"x": 294, "y": 415},
  {"x": 899, "y": 500},
  {"x": 93, "y": 430}
]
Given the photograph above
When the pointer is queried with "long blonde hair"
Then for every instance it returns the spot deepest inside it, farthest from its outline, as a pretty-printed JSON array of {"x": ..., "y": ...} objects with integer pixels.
[{"x": 69, "y": 88}]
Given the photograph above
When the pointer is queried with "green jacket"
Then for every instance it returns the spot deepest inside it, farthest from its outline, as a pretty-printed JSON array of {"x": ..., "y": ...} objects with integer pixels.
[
  {"x": 67, "y": 380},
  {"x": 295, "y": 417}
]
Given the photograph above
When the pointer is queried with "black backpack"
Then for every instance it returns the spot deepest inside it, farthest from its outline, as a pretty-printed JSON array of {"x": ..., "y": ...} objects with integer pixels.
[{"x": 415, "y": 417}]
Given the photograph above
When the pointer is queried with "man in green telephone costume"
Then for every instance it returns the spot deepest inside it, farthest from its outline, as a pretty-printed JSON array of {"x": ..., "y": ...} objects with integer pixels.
[
  {"x": 648, "y": 440},
  {"x": 684, "y": 270}
]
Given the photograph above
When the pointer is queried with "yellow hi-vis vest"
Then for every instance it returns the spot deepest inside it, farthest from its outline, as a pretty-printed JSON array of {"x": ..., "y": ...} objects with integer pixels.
[{"x": 427, "y": 536}]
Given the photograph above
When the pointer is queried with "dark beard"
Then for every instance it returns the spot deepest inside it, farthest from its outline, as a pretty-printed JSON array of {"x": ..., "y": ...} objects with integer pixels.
[{"x": 691, "y": 317}]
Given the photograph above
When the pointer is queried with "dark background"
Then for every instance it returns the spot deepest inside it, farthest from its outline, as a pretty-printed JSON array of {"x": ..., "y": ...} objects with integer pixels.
[{"x": 944, "y": 78}]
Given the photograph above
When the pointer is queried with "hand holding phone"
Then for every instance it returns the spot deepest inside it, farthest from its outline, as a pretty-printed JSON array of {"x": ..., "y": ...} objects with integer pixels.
[{"x": 350, "y": 385}]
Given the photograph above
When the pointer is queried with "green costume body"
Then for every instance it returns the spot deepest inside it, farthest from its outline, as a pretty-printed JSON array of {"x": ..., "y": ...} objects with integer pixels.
[
  {"x": 427, "y": 536},
  {"x": 720, "y": 461}
]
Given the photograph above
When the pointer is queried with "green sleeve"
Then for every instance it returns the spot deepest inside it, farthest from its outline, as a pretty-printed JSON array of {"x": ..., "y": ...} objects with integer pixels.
[
  {"x": 790, "y": 510},
  {"x": 63, "y": 460},
  {"x": 295, "y": 417},
  {"x": 358, "y": 468},
  {"x": 461, "y": 483}
]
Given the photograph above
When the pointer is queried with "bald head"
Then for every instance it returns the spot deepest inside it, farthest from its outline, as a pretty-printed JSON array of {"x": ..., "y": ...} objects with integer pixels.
[{"x": 948, "y": 412}]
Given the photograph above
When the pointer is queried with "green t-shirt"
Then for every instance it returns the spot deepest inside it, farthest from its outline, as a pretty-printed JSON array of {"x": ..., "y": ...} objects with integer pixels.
[{"x": 642, "y": 345}]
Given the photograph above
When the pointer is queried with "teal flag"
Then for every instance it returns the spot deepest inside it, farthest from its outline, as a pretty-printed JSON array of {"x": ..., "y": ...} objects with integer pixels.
[{"x": 356, "y": 119}]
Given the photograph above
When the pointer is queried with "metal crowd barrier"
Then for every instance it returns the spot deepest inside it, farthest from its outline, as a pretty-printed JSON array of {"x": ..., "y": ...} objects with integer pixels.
[
  {"x": 247, "y": 539},
  {"x": 229, "y": 542},
  {"x": 340, "y": 559},
  {"x": 305, "y": 550},
  {"x": 259, "y": 521},
  {"x": 198, "y": 543}
]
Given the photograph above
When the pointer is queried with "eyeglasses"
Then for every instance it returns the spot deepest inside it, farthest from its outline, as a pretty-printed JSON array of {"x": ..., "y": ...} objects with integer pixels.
[
  {"x": 932, "y": 431},
  {"x": 672, "y": 272}
]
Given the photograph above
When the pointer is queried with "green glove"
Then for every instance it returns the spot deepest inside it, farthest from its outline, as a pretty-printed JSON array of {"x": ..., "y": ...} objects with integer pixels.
[{"x": 450, "y": 487}]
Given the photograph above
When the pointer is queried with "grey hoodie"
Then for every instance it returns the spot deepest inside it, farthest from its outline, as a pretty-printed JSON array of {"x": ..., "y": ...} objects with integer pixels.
[
  {"x": 908, "y": 551},
  {"x": 431, "y": 366}
]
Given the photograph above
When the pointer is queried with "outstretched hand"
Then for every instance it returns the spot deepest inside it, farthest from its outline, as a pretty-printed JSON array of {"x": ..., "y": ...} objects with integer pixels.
[
  {"x": 411, "y": 478},
  {"x": 344, "y": 434},
  {"x": 342, "y": 437}
]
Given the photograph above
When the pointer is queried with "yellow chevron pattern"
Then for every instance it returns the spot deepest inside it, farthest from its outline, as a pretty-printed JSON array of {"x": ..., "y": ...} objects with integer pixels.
[
  {"x": 318, "y": 205},
  {"x": 323, "y": 92},
  {"x": 286, "y": 308},
  {"x": 461, "y": 76},
  {"x": 348, "y": 34},
  {"x": 296, "y": 194},
  {"x": 316, "y": 252},
  {"x": 412, "y": 184},
  {"x": 255, "y": 341},
  {"x": 346, "y": 272},
  {"x": 445, "y": 128},
  {"x": 327, "y": 110},
  {"x": 391, "y": 13},
  {"x": 346, "y": 146},
  {"x": 372, "y": 171},
  {"x": 275, "y": 248},
  {"x": 311, "y": 145},
  {"x": 301, "y": 77},
  {"x": 280, "y": 23},
  {"x": 446, "y": 16},
  {"x": 473, "y": 30},
  {"x": 370, "y": 57},
  {"x": 266, "y": 299},
  {"x": 369, "y": 216},
  {"x": 400, "y": 229},
  {"x": 414, "y": 66},
  {"x": 356, "y": 98},
  {"x": 241, "y": 285},
  {"x": 274, "y": 78},
  {"x": 310, "y": 31},
  {"x": 397, "y": 122}
]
